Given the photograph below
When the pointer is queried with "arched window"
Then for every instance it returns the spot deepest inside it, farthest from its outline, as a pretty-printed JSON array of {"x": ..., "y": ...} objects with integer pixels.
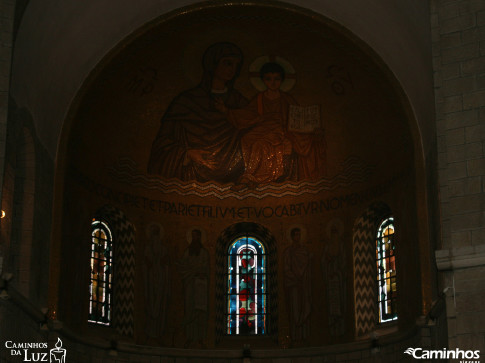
[
  {"x": 101, "y": 288},
  {"x": 386, "y": 271},
  {"x": 246, "y": 287}
]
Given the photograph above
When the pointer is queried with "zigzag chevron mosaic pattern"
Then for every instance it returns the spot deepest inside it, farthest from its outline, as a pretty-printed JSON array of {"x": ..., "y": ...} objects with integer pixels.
[
  {"x": 364, "y": 245},
  {"x": 123, "y": 271},
  {"x": 352, "y": 171}
]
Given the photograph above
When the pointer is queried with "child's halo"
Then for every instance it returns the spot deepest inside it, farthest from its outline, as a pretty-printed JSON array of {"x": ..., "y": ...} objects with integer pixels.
[{"x": 255, "y": 67}]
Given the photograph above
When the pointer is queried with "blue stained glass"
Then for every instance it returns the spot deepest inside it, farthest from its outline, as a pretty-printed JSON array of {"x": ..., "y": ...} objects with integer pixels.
[{"x": 246, "y": 289}]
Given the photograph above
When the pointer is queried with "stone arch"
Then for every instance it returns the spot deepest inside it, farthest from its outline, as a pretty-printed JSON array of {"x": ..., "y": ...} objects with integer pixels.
[
  {"x": 223, "y": 242},
  {"x": 123, "y": 268},
  {"x": 363, "y": 238}
]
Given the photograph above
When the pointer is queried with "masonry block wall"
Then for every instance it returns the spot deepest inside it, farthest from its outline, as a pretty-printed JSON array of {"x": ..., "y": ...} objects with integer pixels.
[{"x": 458, "y": 33}]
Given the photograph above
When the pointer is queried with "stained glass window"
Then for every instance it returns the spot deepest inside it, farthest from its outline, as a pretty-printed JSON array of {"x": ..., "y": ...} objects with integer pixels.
[
  {"x": 100, "y": 288},
  {"x": 246, "y": 287},
  {"x": 386, "y": 271}
]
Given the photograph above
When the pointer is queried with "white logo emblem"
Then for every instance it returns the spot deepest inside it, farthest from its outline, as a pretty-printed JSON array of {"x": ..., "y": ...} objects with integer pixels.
[
  {"x": 409, "y": 351},
  {"x": 58, "y": 354},
  {"x": 465, "y": 356}
]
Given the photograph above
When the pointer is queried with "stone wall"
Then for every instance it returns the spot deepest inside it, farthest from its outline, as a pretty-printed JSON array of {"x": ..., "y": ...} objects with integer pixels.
[{"x": 458, "y": 32}]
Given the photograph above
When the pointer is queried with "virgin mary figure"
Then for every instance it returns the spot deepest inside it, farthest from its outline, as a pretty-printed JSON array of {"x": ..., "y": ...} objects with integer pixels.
[{"x": 195, "y": 140}]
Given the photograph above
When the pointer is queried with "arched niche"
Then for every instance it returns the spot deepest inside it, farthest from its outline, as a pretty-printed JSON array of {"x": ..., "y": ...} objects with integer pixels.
[
  {"x": 371, "y": 141},
  {"x": 123, "y": 268},
  {"x": 224, "y": 241},
  {"x": 364, "y": 255}
]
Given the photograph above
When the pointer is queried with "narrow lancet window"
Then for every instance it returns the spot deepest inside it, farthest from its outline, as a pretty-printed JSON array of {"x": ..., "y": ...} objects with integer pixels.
[
  {"x": 386, "y": 271},
  {"x": 246, "y": 287},
  {"x": 100, "y": 289}
]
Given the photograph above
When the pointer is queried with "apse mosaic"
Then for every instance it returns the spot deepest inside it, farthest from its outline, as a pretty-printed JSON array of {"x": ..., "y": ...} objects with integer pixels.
[
  {"x": 214, "y": 133},
  {"x": 226, "y": 110},
  {"x": 239, "y": 151}
]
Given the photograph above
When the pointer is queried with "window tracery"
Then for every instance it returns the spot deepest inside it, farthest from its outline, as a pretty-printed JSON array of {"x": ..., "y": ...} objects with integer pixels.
[
  {"x": 246, "y": 287},
  {"x": 386, "y": 271},
  {"x": 100, "y": 288}
]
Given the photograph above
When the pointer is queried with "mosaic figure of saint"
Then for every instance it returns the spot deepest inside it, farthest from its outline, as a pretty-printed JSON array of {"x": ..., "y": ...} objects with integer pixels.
[
  {"x": 194, "y": 269},
  {"x": 297, "y": 272},
  {"x": 196, "y": 141},
  {"x": 333, "y": 267},
  {"x": 265, "y": 146},
  {"x": 157, "y": 281},
  {"x": 271, "y": 152}
]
